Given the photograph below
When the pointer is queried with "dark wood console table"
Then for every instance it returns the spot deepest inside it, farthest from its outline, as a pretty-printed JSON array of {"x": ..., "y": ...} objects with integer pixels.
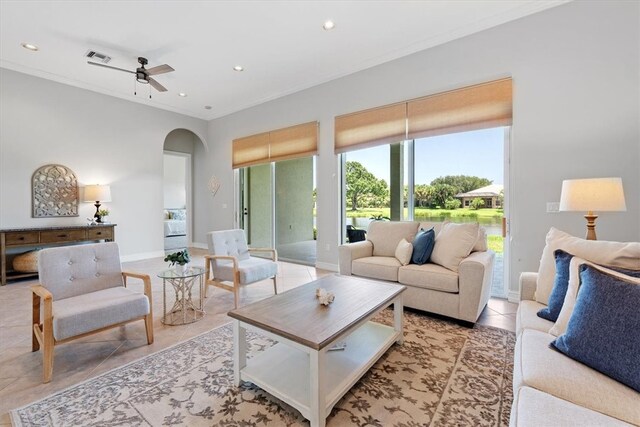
[{"x": 30, "y": 238}]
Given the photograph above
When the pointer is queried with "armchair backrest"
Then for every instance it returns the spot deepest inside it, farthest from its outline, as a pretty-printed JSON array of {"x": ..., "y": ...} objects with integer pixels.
[
  {"x": 229, "y": 243},
  {"x": 70, "y": 271}
]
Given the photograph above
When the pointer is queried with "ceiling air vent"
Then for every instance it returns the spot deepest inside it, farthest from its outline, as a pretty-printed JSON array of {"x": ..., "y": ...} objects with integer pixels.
[{"x": 97, "y": 56}]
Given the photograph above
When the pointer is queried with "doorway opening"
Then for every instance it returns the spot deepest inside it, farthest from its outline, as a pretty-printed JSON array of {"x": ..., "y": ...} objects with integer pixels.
[{"x": 180, "y": 147}]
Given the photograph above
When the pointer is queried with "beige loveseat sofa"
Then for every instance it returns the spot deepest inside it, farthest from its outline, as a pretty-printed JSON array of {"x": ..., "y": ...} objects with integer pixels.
[
  {"x": 430, "y": 287},
  {"x": 551, "y": 389}
]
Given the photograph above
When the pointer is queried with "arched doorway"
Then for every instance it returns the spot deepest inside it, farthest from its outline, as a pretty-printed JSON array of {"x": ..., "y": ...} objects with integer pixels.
[{"x": 180, "y": 147}]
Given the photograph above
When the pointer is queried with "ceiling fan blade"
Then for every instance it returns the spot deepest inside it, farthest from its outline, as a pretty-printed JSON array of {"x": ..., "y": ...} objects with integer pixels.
[
  {"x": 157, "y": 86},
  {"x": 109, "y": 66},
  {"x": 160, "y": 69}
]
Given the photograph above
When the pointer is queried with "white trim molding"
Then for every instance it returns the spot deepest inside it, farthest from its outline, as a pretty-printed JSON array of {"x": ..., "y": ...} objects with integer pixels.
[
  {"x": 514, "y": 296},
  {"x": 327, "y": 266}
]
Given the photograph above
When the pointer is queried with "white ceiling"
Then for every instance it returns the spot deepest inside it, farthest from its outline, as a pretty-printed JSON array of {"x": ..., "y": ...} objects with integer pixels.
[{"x": 281, "y": 44}]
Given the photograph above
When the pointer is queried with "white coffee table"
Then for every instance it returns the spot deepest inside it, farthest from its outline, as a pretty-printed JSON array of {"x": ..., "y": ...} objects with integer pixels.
[{"x": 300, "y": 369}]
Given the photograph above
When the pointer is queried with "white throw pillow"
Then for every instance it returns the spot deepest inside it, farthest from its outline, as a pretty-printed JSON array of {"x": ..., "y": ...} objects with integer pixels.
[
  {"x": 615, "y": 254},
  {"x": 454, "y": 243},
  {"x": 404, "y": 251},
  {"x": 481, "y": 245},
  {"x": 560, "y": 327}
]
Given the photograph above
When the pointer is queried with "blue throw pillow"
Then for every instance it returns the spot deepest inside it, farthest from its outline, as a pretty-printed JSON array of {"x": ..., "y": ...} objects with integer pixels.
[
  {"x": 604, "y": 329},
  {"x": 560, "y": 286},
  {"x": 423, "y": 245}
]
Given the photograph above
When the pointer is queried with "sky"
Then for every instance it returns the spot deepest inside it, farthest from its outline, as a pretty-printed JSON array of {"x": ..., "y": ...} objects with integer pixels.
[{"x": 478, "y": 153}]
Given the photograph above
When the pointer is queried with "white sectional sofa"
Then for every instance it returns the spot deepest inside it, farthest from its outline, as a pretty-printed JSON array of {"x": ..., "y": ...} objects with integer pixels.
[
  {"x": 430, "y": 287},
  {"x": 551, "y": 389}
]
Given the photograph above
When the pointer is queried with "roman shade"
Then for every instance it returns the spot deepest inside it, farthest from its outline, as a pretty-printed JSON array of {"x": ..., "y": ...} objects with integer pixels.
[
  {"x": 480, "y": 106},
  {"x": 377, "y": 126},
  {"x": 475, "y": 107},
  {"x": 281, "y": 144}
]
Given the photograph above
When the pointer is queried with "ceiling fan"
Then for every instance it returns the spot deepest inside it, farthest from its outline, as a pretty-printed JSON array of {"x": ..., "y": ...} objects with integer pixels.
[{"x": 143, "y": 75}]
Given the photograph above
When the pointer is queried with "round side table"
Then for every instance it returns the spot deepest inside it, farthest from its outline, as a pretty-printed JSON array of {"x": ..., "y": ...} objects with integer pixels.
[{"x": 184, "y": 310}]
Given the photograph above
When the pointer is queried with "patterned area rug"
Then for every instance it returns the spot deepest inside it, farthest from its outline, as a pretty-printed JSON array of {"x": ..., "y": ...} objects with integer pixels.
[{"x": 443, "y": 375}]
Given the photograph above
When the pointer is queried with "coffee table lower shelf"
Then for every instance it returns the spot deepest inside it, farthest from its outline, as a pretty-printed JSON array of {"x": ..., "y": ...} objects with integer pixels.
[{"x": 284, "y": 369}]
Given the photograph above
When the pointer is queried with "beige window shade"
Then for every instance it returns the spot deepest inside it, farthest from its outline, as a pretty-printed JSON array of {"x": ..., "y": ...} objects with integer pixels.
[
  {"x": 287, "y": 143},
  {"x": 294, "y": 142},
  {"x": 368, "y": 128},
  {"x": 251, "y": 150},
  {"x": 474, "y": 107}
]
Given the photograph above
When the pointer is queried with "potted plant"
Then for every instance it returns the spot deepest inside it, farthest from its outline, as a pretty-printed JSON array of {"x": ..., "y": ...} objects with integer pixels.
[
  {"x": 179, "y": 259},
  {"x": 102, "y": 214}
]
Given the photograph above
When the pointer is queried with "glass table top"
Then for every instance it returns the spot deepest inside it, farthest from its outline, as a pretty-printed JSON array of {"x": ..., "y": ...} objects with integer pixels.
[{"x": 172, "y": 273}]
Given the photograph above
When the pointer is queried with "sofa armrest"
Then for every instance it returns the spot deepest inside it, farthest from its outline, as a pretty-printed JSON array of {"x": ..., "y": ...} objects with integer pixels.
[
  {"x": 352, "y": 251},
  {"x": 475, "y": 279},
  {"x": 528, "y": 283}
]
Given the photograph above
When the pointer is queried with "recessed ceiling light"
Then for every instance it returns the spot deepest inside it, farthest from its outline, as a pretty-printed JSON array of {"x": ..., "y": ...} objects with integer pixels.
[
  {"x": 207, "y": 107},
  {"x": 238, "y": 68},
  {"x": 328, "y": 25},
  {"x": 182, "y": 94},
  {"x": 30, "y": 46}
]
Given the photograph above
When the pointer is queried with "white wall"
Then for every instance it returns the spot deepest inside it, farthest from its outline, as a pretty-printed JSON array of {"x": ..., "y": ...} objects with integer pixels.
[
  {"x": 174, "y": 182},
  {"x": 102, "y": 139},
  {"x": 576, "y": 107}
]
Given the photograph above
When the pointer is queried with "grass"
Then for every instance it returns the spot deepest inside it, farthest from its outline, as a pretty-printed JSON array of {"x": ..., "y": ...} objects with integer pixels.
[
  {"x": 495, "y": 243},
  {"x": 429, "y": 213}
]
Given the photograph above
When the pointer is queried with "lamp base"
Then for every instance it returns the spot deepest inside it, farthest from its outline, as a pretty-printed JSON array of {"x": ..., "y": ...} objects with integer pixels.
[
  {"x": 591, "y": 225},
  {"x": 97, "y": 215}
]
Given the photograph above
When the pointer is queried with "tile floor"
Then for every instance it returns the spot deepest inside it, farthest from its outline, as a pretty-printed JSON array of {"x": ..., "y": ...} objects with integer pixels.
[{"x": 21, "y": 369}]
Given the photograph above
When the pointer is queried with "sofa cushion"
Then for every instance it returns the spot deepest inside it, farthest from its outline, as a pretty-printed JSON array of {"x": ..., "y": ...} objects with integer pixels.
[
  {"x": 251, "y": 270},
  {"x": 560, "y": 285},
  {"x": 437, "y": 226},
  {"x": 538, "y": 366},
  {"x": 534, "y": 408},
  {"x": 604, "y": 331},
  {"x": 423, "y": 245},
  {"x": 385, "y": 235},
  {"x": 404, "y": 251},
  {"x": 453, "y": 244},
  {"x": 527, "y": 317},
  {"x": 87, "y": 312},
  {"x": 615, "y": 254},
  {"x": 429, "y": 276},
  {"x": 377, "y": 267}
]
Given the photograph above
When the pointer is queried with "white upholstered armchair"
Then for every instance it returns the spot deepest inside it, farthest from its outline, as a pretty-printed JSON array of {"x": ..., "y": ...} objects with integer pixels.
[
  {"x": 82, "y": 291},
  {"x": 230, "y": 260}
]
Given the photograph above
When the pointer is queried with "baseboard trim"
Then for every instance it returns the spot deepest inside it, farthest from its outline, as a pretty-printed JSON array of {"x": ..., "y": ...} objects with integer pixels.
[
  {"x": 141, "y": 256},
  {"x": 199, "y": 245},
  {"x": 514, "y": 296},
  {"x": 327, "y": 266}
]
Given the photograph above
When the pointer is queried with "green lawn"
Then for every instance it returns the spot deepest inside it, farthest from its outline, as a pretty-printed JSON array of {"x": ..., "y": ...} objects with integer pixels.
[{"x": 429, "y": 213}]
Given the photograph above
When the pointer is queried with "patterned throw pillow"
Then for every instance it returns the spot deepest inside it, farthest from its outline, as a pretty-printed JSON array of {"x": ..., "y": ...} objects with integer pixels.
[
  {"x": 604, "y": 329},
  {"x": 560, "y": 286}
]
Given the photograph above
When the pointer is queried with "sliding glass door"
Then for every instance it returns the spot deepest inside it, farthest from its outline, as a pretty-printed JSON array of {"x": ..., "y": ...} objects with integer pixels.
[{"x": 277, "y": 206}]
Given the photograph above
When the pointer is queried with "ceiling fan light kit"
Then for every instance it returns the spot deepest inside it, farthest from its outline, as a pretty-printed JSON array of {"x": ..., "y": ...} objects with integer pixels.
[{"x": 143, "y": 75}]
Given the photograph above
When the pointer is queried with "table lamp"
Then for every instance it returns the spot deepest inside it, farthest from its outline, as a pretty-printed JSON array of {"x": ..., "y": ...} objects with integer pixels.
[
  {"x": 97, "y": 194},
  {"x": 594, "y": 194}
]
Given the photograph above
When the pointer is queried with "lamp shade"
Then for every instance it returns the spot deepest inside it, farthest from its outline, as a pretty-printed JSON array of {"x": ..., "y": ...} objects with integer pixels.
[
  {"x": 595, "y": 194},
  {"x": 97, "y": 193}
]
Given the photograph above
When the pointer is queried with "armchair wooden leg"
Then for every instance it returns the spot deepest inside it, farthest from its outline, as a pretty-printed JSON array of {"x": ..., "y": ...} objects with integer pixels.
[
  {"x": 35, "y": 344},
  {"x": 148, "y": 324},
  {"x": 275, "y": 286},
  {"x": 47, "y": 355}
]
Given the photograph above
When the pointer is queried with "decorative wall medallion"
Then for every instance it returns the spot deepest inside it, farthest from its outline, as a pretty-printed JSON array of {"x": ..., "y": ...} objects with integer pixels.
[
  {"x": 214, "y": 185},
  {"x": 55, "y": 192}
]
